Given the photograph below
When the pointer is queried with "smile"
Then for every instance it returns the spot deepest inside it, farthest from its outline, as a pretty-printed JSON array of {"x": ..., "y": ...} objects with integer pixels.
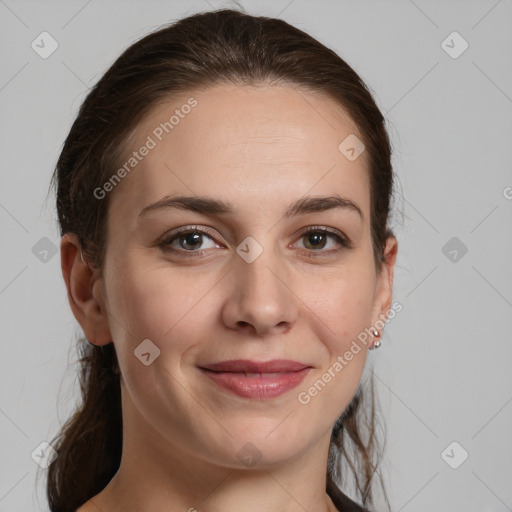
[{"x": 262, "y": 381}]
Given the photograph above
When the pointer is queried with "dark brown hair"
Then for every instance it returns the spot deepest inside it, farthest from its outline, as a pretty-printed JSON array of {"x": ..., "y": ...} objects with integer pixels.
[{"x": 196, "y": 52}]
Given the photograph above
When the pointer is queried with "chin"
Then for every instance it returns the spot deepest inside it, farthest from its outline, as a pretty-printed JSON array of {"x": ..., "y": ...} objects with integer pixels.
[{"x": 258, "y": 448}]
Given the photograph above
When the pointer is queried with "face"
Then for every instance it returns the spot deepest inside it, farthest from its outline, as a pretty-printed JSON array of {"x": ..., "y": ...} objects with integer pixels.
[{"x": 248, "y": 284}]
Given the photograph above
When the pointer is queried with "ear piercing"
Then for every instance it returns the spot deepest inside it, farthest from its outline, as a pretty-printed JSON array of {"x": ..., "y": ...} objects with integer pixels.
[{"x": 377, "y": 342}]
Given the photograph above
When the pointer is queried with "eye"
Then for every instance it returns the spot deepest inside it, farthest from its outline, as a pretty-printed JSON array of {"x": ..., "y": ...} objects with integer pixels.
[
  {"x": 188, "y": 238},
  {"x": 316, "y": 238}
]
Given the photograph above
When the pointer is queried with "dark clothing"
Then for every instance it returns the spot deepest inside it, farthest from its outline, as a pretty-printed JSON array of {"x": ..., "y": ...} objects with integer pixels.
[{"x": 342, "y": 502}]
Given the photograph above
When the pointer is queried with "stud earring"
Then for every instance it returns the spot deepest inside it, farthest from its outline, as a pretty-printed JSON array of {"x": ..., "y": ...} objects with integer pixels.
[{"x": 377, "y": 342}]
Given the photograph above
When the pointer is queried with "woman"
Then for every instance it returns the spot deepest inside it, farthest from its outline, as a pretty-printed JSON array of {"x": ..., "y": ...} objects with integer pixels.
[{"x": 223, "y": 199}]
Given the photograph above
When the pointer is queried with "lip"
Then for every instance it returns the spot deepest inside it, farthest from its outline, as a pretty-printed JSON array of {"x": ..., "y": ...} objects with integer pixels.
[
  {"x": 248, "y": 366},
  {"x": 257, "y": 380}
]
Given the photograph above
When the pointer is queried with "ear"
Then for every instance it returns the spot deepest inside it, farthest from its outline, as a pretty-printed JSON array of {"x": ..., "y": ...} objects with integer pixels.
[
  {"x": 384, "y": 286},
  {"x": 85, "y": 291}
]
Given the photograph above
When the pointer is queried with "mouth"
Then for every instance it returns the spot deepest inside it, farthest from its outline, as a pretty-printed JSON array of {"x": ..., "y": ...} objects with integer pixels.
[{"x": 257, "y": 380}]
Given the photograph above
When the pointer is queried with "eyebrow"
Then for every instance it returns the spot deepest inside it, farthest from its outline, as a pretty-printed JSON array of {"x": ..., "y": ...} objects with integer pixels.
[{"x": 207, "y": 205}]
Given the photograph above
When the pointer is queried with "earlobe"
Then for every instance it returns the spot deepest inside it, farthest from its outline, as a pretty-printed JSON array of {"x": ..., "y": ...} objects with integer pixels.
[{"x": 82, "y": 282}]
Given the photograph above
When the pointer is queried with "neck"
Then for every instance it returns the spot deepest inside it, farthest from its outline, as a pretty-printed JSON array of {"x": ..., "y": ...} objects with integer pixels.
[{"x": 162, "y": 477}]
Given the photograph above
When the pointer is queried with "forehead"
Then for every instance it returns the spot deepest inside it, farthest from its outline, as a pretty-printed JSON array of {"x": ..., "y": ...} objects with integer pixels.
[{"x": 243, "y": 144}]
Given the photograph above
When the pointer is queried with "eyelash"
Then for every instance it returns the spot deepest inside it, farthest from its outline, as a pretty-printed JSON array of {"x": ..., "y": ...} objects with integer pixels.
[{"x": 166, "y": 242}]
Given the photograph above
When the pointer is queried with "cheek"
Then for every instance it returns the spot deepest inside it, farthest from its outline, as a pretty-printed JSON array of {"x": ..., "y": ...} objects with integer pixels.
[
  {"x": 165, "y": 306},
  {"x": 347, "y": 311},
  {"x": 346, "y": 307}
]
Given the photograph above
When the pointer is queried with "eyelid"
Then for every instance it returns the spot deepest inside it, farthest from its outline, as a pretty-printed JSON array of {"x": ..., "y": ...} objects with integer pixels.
[
  {"x": 187, "y": 229},
  {"x": 342, "y": 239},
  {"x": 324, "y": 229}
]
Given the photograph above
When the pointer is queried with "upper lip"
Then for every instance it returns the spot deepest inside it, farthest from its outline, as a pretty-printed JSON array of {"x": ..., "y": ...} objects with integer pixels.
[{"x": 247, "y": 366}]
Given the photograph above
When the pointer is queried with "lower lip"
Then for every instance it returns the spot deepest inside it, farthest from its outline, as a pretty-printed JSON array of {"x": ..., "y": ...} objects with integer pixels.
[{"x": 265, "y": 386}]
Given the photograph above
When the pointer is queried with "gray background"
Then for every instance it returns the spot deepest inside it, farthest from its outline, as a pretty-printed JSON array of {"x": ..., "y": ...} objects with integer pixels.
[{"x": 443, "y": 371}]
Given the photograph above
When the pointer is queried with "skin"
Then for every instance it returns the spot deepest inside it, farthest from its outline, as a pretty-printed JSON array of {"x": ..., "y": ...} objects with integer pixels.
[{"x": 259, "y": 148}]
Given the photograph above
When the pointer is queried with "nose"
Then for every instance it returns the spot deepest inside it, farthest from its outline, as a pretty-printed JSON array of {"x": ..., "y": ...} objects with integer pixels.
[{"x": 261, "y": 299}]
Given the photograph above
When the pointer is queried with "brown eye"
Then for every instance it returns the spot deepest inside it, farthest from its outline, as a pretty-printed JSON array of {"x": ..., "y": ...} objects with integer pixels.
[
  {"x": 188, "y": 239},
  {"x": 316, "y": 239}
]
